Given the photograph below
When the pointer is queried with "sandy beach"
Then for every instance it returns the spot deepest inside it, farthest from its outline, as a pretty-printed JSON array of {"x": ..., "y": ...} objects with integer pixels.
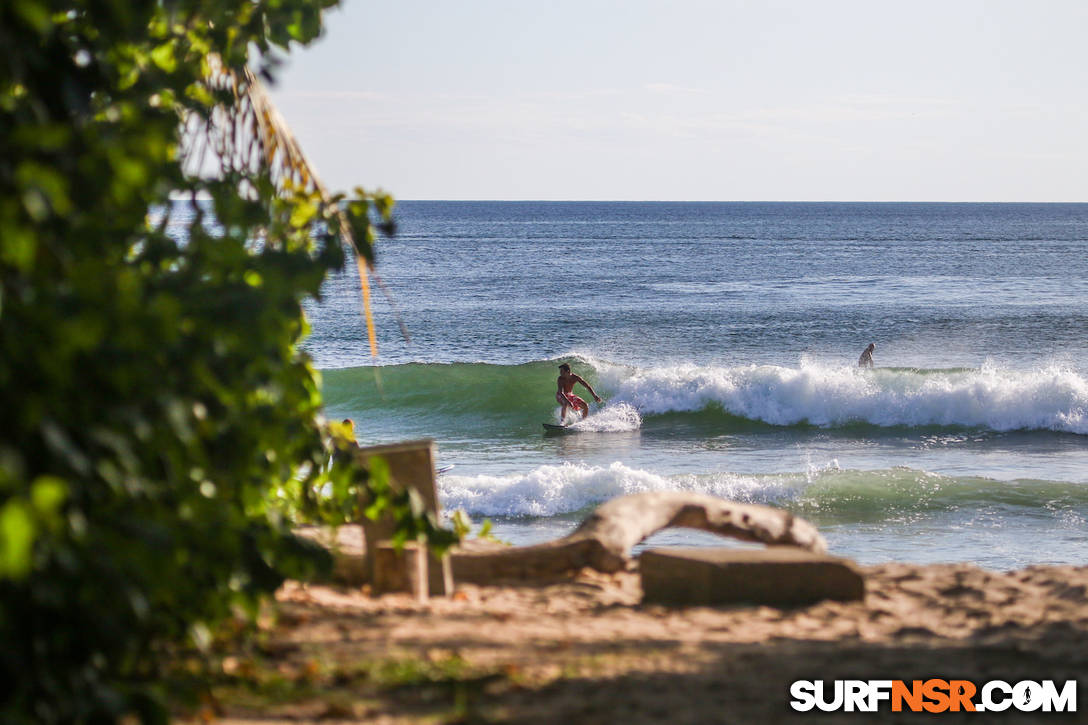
[{"x": 587, "y": 651}]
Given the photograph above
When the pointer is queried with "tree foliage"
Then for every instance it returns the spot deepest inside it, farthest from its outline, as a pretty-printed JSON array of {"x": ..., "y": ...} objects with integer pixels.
[{"x": 160, "y": 427}]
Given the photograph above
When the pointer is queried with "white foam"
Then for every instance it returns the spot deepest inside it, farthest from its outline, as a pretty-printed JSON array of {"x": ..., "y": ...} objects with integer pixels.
[
  {"x": 1050, "y": 399},
  {"x": 566, "y": 488},
  {"x": 614, "y": 418}
]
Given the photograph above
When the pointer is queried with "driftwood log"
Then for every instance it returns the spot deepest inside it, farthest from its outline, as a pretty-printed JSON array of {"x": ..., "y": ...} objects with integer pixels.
[{"x": 604, "y": 540}]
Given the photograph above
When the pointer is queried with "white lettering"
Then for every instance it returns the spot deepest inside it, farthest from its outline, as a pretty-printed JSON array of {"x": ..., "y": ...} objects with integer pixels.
[
  {"x": 1027, "y": 696},
  {"x": 855, "y": 695},
  {"x": 995, "y": 705},
  {"x": 834, "y": 704},
  {"x": 879, "y": 690},
  {"x": 1065, "y": 701},
  {"x": 994, "y": 696},
  {"x": 803, "y": 695}
]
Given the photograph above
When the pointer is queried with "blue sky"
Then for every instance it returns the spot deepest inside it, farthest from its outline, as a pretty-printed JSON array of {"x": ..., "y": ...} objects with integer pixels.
[{"x": 968, "y": 100}]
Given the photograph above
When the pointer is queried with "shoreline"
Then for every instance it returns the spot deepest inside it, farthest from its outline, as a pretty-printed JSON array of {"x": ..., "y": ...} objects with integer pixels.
[{"x": 586, "y": 649}]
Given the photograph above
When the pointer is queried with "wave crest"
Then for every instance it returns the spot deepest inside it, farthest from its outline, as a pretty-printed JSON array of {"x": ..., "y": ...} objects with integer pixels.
[
  {"x": 825, "y": 495},
  {"x": 1053, "y": 399},
  {"x": 568, "y": 488}
]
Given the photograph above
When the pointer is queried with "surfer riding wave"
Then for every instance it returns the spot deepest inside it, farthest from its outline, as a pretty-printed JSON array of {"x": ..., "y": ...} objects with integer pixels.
[{"x": 565, "y": 396}]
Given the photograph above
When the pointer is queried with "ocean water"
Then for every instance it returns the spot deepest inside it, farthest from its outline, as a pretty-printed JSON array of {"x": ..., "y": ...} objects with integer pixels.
[{"x": 724, "y": 339}]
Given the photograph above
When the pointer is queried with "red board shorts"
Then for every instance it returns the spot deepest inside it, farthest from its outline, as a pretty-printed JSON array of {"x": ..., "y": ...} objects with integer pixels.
[{"x": 571, "y": 399}]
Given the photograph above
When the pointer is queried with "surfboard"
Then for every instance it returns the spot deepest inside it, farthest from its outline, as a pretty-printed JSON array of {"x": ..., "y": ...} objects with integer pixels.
[
  {"x": 442, "y": 469},
  {"x": 553, "y": 428}
]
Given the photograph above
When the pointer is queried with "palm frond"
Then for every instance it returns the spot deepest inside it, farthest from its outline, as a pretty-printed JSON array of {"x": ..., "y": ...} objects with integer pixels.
[{"x": 251, "y": 136}]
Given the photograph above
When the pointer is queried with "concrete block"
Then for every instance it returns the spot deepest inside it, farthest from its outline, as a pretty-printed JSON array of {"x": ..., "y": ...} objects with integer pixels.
[
  {"x": 400, "y": 571},
  {"x": 782, "y": 576},
  {"x": 411, "y": 466}
]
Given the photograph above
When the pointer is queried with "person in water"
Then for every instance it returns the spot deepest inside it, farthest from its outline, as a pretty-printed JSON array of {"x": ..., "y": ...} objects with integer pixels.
[
  {"x": 343, "y": 455},
  {"x": 565, "y": 394},
  {"x": 866, "y": 359}
]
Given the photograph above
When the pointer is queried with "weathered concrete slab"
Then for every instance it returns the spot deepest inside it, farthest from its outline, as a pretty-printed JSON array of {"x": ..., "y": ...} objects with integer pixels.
[
  {"x": 411, "y": 466},
  {"x": 400, "y": 570},
  {"x": 486, "y": 562},
  {"x": 776, "y": 576}
]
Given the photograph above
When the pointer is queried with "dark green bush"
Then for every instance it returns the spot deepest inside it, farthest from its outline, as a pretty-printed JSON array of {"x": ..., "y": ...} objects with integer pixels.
[{"x": 159, "y": 426}]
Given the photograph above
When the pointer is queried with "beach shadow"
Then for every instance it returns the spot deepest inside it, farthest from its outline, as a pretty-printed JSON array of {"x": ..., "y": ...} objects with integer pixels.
[{"x": 750, "y": 683}]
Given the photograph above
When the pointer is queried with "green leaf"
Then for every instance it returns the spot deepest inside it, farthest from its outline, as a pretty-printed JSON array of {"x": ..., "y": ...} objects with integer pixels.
[
  {"x": 163, "y": 56},
  {"x": 18, "y": 247},
  {"x": 17, "y": 532},
  {"x": 462, "y": 524},
  {"x": 35, "y": 14},
  {"x": 302, "y": 214},
  {"x": 47, "y": 494},
  {"x": 45, "y": 190}
]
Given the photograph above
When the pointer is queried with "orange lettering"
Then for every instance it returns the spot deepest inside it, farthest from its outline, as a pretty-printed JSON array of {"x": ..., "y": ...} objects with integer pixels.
[
  {"x": 961, "y": 692},
  {"x": 913, "y": 696},
  {"x": 937, "y": 691}
]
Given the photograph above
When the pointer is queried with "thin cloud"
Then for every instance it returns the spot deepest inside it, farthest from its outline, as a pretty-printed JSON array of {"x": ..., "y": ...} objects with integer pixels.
[
  {"x": 332, "y": 95},
  {"x": 674, "y": 89}
]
